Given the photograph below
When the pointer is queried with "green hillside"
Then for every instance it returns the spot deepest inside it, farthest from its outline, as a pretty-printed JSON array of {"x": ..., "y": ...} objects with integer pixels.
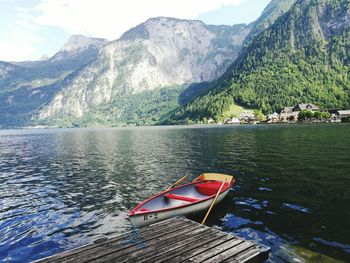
[{"x": 302, "y": 57}]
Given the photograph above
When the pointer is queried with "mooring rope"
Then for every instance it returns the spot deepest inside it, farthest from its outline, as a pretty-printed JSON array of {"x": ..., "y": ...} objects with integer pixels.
[{"x": 134, "y": 236}]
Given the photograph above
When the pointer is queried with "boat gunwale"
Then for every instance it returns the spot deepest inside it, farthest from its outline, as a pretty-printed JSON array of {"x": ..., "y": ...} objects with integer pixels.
[{"x": 139, "y": 213}]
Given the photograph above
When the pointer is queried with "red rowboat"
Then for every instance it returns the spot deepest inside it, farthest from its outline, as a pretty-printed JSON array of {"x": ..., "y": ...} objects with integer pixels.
[{"x": 183, "y": 200}]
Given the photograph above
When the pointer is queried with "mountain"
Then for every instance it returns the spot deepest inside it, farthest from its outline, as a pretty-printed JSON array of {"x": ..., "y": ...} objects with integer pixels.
[
  {"x": 79, "y": 51},
  {"x": 79, "y": 47},
  {"x": 26, "y": 86},
  {"x": 7, "y": 71},
  {"x": 303, "y": 57},
  {"x": 77, "y": 43},
  {"x": 139, "y": 77},
  {"x": 273, "y": 10},
  {"x": 44, "y": 57}
]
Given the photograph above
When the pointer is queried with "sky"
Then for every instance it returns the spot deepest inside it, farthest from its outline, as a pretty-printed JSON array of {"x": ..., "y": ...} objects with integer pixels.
[{"x": 33, "y": 28}]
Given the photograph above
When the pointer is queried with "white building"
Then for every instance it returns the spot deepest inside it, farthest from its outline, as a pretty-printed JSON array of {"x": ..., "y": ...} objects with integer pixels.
[{"x": 275, "y": 117}]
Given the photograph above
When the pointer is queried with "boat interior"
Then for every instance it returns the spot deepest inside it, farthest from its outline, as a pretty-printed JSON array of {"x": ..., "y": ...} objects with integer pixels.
[{"x": 184, "y": 195}]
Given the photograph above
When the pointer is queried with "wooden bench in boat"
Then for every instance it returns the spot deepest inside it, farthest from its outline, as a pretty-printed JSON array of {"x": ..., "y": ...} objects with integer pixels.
[
  {"x": 182, "y": 198},
  {"x": 208, "y": 188},
  {"x": 174, "y": 240}
]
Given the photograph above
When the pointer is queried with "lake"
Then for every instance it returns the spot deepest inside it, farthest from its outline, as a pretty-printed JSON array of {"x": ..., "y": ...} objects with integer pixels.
[{"x": 63, "y": 188}]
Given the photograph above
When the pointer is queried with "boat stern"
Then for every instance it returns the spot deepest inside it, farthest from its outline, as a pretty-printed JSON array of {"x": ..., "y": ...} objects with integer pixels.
[{"x": 217, "y": 177}]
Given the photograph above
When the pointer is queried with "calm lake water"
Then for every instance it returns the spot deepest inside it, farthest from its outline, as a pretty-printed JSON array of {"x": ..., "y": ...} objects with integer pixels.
[{"x": 60, "y": 189}]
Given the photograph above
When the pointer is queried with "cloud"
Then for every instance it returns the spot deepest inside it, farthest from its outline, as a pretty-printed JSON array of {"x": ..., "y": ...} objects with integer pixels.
[
  {"x": 27, "y": 37},
  {"x": 110, "y": 18},
  {"x": 16, "y": 52},
  {"x": 21, "y": 39}
]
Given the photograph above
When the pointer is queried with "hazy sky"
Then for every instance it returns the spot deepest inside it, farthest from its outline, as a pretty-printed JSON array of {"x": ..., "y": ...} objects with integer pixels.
[{"x": 32, "y": 28}]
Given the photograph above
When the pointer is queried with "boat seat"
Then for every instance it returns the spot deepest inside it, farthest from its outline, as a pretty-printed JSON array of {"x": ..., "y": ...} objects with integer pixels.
[
  {"x": 182, "y": 198},
  {"x": 210, "y": 188}
]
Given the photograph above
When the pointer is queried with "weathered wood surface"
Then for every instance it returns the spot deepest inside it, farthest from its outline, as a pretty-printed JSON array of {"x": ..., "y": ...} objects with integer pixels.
[{"x": 173, "y": 240}]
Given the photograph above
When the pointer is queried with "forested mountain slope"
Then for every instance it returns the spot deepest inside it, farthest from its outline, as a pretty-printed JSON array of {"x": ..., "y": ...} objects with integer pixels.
[{"x": 303, "y": 57}]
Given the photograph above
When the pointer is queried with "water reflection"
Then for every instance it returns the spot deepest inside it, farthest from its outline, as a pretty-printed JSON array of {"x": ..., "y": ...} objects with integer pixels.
[{"x": 63, "y": 188}]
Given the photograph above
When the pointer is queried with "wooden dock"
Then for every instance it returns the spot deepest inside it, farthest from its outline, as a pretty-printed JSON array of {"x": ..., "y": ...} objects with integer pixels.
[{"x": 172, "y": 240}]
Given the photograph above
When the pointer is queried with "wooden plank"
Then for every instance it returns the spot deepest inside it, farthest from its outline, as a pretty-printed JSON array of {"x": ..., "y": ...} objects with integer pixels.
[
  {"x": 143, "y": 231},
  {"x": 256, "y": 254},
  {"x": 168, "y": 245},
  {"x": 215, "y": 251},
  {"x": 81, "y": 251},
  {"x": 174, "y": 240},
  {"x": 167, "y": 253},
  {"x": 179, "y": 246},
  {"x": 166, "y": 221},
  {"x": 165, "y": 240},
  {"x": 230, "y": 253},
  {"x": 182, "y": 257},
  {"x": 122, "y": 246},
  {"x": 245, "y": 256}
]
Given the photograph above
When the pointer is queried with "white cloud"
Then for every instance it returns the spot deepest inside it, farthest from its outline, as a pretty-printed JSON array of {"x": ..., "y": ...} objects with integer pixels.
[
  {"x": 111, "y": 18},
  {"x": 22, "y": 41},
  {"x": 16, "y": 52},
  {"x": 96, "y": 18}
]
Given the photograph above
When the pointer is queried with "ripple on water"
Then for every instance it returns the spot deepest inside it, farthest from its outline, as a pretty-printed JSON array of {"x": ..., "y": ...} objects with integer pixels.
[
  {"x": 296, "y": 208},
  {"x": 63, "y": 188},
  {"x": 251, "y": 203},
  {"x": 257, "y": 232}
]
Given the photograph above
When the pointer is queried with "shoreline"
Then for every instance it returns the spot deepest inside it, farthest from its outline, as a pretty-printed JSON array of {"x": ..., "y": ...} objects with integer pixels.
[{"x": 190, "y": 126}]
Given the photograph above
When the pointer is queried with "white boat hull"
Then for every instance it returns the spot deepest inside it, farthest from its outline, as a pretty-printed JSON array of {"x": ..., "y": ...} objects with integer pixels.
[{"x": 153, "y": 217}]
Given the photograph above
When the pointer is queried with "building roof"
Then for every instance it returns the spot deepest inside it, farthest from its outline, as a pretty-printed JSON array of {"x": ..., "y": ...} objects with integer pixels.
[
  {"x": 307, "y": 106},
  {"x": 344, "y": 112},
  {"x": 274, "y": 115},
  {"x": 287, "y": 110}
]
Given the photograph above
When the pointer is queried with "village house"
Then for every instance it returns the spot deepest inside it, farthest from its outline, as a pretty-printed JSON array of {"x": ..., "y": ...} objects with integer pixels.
[
  {"x": 292, "y": 113},
  {"x": 287, "y": 114},
  {"x": 233, "y": 120},
  {"x": 211, "y": 121},
  {"x": 273, "y": 118},
  {"x": 335, "y": 118},
  {"x": 343, "y": 114},
  {"x": 247, "y": 116},
  {"x": 309, "y": 106}
]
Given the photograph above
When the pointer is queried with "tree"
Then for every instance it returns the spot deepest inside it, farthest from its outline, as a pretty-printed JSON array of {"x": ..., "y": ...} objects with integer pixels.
[
  {"x": 259, "y": 115},
  {"x": 326, "y": 115},
  {"x": 305, "y": 115},
  {"x": 318, "y": 115}
]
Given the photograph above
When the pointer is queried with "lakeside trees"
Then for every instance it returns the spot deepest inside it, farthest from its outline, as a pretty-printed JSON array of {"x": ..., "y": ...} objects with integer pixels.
[{"x": 305, "y": 115}]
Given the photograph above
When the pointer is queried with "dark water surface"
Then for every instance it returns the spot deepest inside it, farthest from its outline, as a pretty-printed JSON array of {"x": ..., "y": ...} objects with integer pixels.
[{"x": 60, "y": 189}]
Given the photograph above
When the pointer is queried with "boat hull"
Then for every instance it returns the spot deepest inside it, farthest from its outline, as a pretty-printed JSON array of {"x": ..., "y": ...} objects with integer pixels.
[{"x": 139, "y": 220}]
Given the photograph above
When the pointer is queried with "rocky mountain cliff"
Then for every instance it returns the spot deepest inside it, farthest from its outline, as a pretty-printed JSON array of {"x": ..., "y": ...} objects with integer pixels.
[
  {"x": 77, "y": 45},
  {"x": 77, "y": 52},
  {"x": 162, "y": 52},
  {"x": 303, "y": 57},
  {"x": 26, "y": 86}
]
